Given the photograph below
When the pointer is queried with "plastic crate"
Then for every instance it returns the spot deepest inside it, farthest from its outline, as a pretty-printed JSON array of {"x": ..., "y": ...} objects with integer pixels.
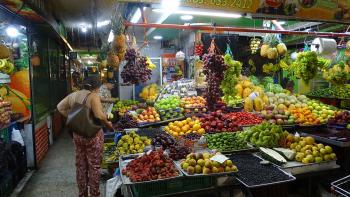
[
  {"x": 6, "y": 184},
  {"x": 172, "y": 186},
  {"x": 195, "y": 183},
  {"x": 157, "y": 188}
]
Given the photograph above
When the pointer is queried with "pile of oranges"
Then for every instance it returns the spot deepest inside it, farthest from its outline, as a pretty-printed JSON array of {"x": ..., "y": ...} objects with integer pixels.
[
  {"x": 180, "y": 128},
  {"x": 304, "y": 116}
]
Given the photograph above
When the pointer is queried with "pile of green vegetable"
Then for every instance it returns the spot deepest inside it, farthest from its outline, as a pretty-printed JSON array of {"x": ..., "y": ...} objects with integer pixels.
[
  {"x": 230, "y": 80},
  {"x": 225, "y": 142},
  {"x": 263, "y": 135},
  {"x": 332, "y": 92},
  {"x": 306, "y": 65}
]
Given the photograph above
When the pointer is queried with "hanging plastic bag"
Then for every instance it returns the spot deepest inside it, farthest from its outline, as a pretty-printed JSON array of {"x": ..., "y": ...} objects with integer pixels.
[
  {"x": 16, "y": 136},
  {"x": 113, "y": 185},
  {"x": 306, "y": 47},
  {"x": 228, "y": 50}
]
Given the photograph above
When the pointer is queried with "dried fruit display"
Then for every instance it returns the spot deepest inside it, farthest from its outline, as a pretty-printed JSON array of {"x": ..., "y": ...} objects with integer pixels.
[
  {"x": 149, "y": 167},
  {"x": 136, "y": 69}
]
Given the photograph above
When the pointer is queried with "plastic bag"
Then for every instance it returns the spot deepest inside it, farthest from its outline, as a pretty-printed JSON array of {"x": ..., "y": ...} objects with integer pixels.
[
  {"x": 16, "y": 136},
  {"x": 113, "y": 185}
]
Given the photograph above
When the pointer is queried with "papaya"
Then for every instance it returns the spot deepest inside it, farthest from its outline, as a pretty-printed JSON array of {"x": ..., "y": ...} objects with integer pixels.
[
  {"x": 246, "y": 92},
  {"x": 20, "y": 81},
  {"x": 248, "y": 104},
  {"x": 258, "y": 104},
  {"x": 20, "y": 103}
]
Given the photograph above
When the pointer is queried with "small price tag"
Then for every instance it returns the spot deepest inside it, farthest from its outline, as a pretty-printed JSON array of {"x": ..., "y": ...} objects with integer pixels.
[
  {"x": 192, "y": 93},
  {"x": 219, "y": 158},
  {"x": 253, "y": 95}
]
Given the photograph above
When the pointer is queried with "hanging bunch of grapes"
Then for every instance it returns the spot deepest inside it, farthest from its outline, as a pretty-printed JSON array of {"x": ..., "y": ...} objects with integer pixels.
[
  {"x": 136, "y": 68},
  {"x": 214, "y": 67}
]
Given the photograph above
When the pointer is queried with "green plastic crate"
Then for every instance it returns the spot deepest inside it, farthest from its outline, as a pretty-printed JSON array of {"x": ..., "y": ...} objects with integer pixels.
[{"x": 171, "y": 186}]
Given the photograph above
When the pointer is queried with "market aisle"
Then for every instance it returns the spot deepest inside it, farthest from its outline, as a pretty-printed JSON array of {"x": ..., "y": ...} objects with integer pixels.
[{"x": 56, "y": 177}]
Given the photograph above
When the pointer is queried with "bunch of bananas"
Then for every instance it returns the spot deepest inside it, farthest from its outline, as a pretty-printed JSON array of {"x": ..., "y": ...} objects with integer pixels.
[
  {"x": 110, "y": 153},
  {"x": 6, "y": 66},
  {"x": 150, "y": 65},
  {"x": 270, "y": 68},
  {"x": 150, "y": 92}
]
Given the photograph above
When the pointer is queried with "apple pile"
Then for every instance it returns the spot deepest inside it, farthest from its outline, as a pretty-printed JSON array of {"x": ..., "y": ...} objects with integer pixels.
[
  {"x": 278, "y": 116},
  {"x": 218, "y": 122},
  {"x": 148, "y": 115},
  {"x": 201, "y": 163},
  {"x": 151, "y": 166}
]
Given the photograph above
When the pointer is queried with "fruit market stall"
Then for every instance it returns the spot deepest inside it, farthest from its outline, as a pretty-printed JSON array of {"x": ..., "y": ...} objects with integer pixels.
[{"x": 256, "y": 120}]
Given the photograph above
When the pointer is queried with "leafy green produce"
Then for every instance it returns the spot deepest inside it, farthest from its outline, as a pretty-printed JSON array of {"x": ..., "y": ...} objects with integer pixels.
[
  {"x": 263, "y": 135},
  {"x": 230, "y": 80},
  {"x": 332, "y": 92},
  {"x": 338, "y": 74},
  {"x": 225, "y": 142},
  {"x": 306, "y": 65}
]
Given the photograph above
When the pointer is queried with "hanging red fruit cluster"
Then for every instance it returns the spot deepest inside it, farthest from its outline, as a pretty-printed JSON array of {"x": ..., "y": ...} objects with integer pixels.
[{"x": 198, "y": 49}]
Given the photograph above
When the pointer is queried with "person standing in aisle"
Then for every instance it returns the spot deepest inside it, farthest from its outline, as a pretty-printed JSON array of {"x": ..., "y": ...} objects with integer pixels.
[
  {"x": 88, "y": 150},
  {"x": 106, "y": 96}
]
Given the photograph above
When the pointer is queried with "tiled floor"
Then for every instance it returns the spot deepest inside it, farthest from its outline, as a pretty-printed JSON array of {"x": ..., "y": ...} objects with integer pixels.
[{"x": 56, "y": 176}]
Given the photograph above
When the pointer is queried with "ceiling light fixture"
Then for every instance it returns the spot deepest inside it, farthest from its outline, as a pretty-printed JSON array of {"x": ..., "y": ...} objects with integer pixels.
[
  {"x": 200, "y": 13},
  {"x": 110, "y": 36},
  {"x": 282, "y": 22},
  {"x": 103, "y": 23},
  {"x": 84, "y": 29},
  {"x": 157, "y": 37},
  {"x": 186, "y": 17},
  {"x": 12, "y": 32}
]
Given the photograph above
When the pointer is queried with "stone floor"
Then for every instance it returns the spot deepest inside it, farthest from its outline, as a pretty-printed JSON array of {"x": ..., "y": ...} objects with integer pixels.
[{"x": 56, "y": 176}]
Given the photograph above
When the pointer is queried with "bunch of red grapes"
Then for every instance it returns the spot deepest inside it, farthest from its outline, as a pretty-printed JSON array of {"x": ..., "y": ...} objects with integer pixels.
[
  {"x": 214, "y": 67},
  {"x": 136, "y": 69}
]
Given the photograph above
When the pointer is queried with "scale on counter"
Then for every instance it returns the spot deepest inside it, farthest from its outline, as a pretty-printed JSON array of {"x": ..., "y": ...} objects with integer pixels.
[{"x": 4, "y": 78}]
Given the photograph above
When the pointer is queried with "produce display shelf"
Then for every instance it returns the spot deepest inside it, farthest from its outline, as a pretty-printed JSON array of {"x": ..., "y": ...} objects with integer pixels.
[
  {"x": 328, "y": 140},
  {"x": 124, "y": 160},
  {"x": 178, "y": 165},
  {"x": 154, "y": 124},
  {"x": 297, "y": 168},
  {"x": 265, "y": 175},
  {"x": 342, "y": 186},
  {"x": 319, "y": 97}
]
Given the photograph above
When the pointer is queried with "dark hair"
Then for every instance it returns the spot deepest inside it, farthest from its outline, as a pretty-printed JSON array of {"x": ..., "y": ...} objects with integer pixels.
[{"x": 92, "y": 83}]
